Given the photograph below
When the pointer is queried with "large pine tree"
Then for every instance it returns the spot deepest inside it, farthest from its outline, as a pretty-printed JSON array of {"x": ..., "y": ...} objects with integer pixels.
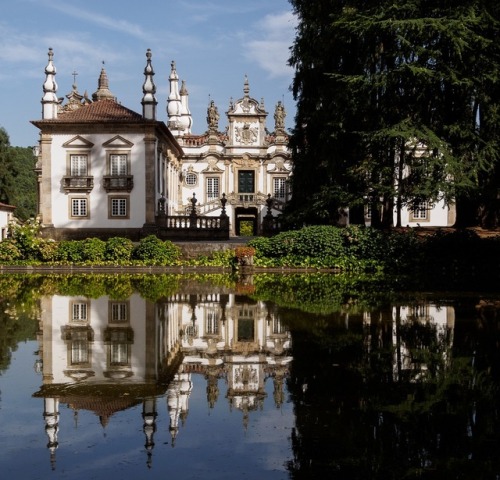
[{"x": 397, "y": 103}]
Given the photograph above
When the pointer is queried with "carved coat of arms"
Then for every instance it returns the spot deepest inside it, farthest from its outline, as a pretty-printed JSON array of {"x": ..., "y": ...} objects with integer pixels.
[{"x": 246, "y": 134}]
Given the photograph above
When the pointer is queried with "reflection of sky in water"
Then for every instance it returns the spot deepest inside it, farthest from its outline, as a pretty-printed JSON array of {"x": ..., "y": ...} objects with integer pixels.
[
  {"x": 345, "y": 366},
  {"x": 212, "y": 443}
]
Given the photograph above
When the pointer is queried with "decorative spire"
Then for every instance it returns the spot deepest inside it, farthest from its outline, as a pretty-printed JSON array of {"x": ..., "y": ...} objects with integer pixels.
[
  {"x": 149, "y": 89},
  {"x": 49, "y": 100},
  {"x": 103, "y": 92},
  {"x": 186, "y": 119},
  {"x": 174, "y": 102},
  {"x": 246, "y": 87}
]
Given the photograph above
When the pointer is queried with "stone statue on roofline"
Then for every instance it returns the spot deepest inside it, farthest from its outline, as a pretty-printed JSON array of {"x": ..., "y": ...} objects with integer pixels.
[{"x": 212, "y": 116}]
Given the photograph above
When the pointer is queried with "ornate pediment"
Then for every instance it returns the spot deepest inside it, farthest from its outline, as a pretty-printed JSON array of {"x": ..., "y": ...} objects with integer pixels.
[
  {"x": 246, "y": 162},
  {"x": 212, "y": 166},
  {"x": 118, "y": 142},
  {"x": 279, "y": 166},
  {"x": 78, "y": 142}
]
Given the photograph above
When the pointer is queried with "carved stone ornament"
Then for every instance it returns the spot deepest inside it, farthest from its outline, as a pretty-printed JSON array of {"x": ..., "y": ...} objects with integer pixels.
[{"x": 246, "y": 134}]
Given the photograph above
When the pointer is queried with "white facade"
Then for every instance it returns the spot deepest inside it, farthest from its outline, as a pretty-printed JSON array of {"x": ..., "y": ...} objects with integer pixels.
[
  {"x": 104, "y": 170},
  {"x": 6, "y": 217},
  {"x": 107, "y": 355}
]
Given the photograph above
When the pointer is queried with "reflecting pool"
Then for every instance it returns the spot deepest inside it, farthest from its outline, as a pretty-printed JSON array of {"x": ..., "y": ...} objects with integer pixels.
[{"x": 271, "y": 377}]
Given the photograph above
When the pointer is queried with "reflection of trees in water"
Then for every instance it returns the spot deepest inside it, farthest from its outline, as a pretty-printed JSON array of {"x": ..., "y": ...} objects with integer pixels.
[
  {"x": 356, "y": 419},
  {"x": 17, "y": 324}
]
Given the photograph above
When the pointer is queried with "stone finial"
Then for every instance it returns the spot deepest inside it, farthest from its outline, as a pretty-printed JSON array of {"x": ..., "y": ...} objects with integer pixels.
[
  {"x": 50, "y": 101},
  {"x": 186, "y": 119},
  {"x": 149, "y": 89},
  {"x": 174, "y": 102}
]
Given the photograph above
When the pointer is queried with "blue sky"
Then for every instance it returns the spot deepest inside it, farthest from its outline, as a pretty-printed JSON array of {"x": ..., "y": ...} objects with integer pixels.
[{"x": 214, "y": 43}]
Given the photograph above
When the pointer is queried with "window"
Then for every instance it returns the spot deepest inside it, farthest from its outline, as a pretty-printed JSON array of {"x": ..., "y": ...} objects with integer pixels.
[
  {"x": 212, "y": 322},
  {"x": 79, "y": 352},
  {"x": 79, "y": 208},
  {"x": 118, "y": 165},
  {"x": 246, "y": 181},
  {"x": 118, "y": 207},
  {"x": 191, "y": 179},
  {"x": 78, "y": 165},
  {"x": 79, "y": 312},
  {"x": 119, "y": 312},
  {"x": 212, "y": 188},
  {"x": 279, "y": 188},
  {"x": 420, "y": 212},
  {"x": 119, "y": 353}
]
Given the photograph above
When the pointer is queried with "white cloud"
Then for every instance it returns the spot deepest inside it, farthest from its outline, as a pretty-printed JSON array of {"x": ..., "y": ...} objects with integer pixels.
[
  {"x": 110, "y": 23},
  {"x": 272, "y": 50}
]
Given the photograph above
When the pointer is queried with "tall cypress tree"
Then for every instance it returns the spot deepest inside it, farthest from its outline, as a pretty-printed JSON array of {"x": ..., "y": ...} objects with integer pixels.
[{"x": 395, "y": 102}]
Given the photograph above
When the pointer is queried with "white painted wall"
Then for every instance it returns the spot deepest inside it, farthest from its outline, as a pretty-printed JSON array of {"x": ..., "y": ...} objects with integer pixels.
[{"x": 98, "y": 197}]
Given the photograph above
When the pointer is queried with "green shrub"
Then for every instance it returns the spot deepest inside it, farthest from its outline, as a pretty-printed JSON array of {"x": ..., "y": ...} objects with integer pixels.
[
  {"x": 47, "y": 250},
  {"x": 119, "y": 249},
  {"x": 154, "y": 251},
  {"x": 93, "y": 250},
  {"x": 26, "y": 238},
  {"x": 9, "y": 251},
  {"x": 365, "y": 242},
  {"x": 70, "y": 251}
]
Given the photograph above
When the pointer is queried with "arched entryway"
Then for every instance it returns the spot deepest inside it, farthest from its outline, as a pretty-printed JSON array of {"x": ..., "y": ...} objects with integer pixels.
[{"x": 246, "y": 223}]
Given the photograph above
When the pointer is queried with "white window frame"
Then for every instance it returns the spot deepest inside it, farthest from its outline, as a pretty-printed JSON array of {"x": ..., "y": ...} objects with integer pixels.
[
  {"x": 79, "y": 207},
  {"x": 421, "y": 212},
  {"x": 118, "y": 164},
  {"x": 191, "y": 179},
  {"x": 212, "y": 185},
  {"x": 79, "y": 312},
  {"x": 118, "y": 312},
  {"x": 280, "y": 188},
  {"x": 119, "y": 207},
  {"x": 79, "y": 164}
]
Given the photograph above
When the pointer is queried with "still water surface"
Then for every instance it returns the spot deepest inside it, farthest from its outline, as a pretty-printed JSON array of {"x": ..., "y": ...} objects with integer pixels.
[{"x": 255, "y": 379}]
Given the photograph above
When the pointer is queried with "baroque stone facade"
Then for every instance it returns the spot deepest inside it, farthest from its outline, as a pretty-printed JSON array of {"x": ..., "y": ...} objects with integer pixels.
[{"x": 105, "y": 170}]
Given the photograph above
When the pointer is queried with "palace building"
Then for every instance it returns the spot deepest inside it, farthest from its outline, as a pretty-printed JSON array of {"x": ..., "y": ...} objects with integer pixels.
[{"x": 105, "y": 170}]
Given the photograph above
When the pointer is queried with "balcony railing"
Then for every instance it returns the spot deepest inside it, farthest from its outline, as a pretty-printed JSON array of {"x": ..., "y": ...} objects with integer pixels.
[
  {"x": 78, "y": 184},
  {"x": 246, "y": 197},
  {"x": 118, "y": 183}
]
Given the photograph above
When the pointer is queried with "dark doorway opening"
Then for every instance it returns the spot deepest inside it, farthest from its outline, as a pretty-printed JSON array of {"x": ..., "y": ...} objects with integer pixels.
[{"x": 246, "y": 222}]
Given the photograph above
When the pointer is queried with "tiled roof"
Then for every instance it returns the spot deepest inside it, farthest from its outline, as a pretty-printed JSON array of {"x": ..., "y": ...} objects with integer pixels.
[{"x": 100, "y": 111}]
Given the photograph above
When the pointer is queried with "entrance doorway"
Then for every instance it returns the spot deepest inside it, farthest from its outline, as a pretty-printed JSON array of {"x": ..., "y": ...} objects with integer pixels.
[{"x": 246, "y": 224}]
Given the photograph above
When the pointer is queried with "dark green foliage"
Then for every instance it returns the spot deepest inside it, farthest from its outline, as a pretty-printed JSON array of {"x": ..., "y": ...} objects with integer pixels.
[
  {"x": 93, "y": 250},
  {"x": 154, "y": 251},
  {"x": 119, "y": 249},
  {"x": 396, "y": 103},
  {"x": 17, "y": 178},
  {"x": 70, "y": 251},
  {"x": 354, "y": 248}
]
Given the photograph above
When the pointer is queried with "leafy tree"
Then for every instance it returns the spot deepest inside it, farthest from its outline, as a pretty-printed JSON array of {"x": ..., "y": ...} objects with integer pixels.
[
  {"x": 17, "y": 177},
  {"x": 399, "y": 103}
]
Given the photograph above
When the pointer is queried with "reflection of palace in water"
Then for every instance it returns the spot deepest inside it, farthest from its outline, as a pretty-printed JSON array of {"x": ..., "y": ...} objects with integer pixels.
[
  {"x": 413, "y": 331},
  {"x": 104, "y": 356}
]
